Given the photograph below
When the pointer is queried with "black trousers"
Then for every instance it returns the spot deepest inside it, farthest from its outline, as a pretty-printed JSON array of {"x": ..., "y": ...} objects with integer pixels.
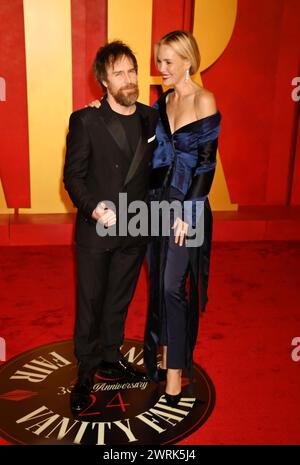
[{"x": 106, "y": 280}]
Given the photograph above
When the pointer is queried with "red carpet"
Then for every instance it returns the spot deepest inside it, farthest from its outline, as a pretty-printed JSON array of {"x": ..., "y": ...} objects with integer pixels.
[{"x": 244, "y": 342}]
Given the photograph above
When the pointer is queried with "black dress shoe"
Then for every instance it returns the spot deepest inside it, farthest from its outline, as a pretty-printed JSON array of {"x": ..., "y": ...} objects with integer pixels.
[
  {"x": 122, "y": 368},
  {"x": 80, "y": 396},
  {"x": 172, "y": 400}
]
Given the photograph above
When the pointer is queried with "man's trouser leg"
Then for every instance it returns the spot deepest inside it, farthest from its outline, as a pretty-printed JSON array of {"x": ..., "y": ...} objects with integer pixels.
[
  {"x": 106, "y": 280},
  {"x": 92, "y": 266},
  {"x": 124, "y": 271}
]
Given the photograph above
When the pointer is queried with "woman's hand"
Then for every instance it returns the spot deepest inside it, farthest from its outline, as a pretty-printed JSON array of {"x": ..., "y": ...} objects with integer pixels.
[
  {"x": 180, "y": 231},
  {"x": 94, "y": 104}
]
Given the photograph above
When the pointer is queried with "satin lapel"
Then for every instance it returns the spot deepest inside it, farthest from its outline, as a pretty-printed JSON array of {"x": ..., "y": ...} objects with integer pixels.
[
  {"x": 139, "y": 152},
  {"x": 116, "y": 130},
  {"x": 163, "y": 112}
]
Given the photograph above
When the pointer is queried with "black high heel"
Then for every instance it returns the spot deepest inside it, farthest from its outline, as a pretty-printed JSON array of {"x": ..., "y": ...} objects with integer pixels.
[{"x": 172, "y": 400}]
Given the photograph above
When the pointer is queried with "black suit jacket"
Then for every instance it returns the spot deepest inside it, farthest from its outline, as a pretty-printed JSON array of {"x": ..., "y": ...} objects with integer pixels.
[{"x": 99, "y": 165}]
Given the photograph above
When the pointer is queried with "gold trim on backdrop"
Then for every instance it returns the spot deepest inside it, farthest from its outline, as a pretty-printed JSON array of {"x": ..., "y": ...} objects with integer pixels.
[
  {"x": 49, "y": 93},
  {"x": 3, "y": 206},
  {"x": 131, "y": 22},
  {"x": 214, "y": 22}
]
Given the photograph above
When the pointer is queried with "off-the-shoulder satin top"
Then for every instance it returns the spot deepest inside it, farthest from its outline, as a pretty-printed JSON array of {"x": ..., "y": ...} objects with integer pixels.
[{"x": 191, "y": 150}]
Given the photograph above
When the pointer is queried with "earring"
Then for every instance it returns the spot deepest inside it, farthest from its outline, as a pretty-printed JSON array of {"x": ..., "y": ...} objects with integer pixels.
[{"x": 186, "y": 75}]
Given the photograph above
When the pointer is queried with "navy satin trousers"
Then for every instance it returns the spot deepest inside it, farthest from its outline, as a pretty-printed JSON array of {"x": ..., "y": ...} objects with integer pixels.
[{"x": 174, "y": 319}]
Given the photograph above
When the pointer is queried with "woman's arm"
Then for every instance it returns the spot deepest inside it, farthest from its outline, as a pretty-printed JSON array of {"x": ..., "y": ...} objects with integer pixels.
[{"x": 203, "y": 175}]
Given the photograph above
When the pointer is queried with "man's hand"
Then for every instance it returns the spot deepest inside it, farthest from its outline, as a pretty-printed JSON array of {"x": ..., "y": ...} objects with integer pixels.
[
  {"x": 94, "y": 104},
  {"x": 103, "y": 214},
  {"x": 181, "y": 229}
]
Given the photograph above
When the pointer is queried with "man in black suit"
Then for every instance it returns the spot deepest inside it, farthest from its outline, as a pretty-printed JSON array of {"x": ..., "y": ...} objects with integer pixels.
[{"x": 109, "y": 151}]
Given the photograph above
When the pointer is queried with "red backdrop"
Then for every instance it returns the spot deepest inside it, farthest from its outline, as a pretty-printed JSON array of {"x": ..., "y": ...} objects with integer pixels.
[
  {"x": 251, "y": 80},
  {"x": 14, "y": 155}
]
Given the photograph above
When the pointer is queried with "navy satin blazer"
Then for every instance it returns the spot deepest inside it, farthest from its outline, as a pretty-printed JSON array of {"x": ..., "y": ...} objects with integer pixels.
[{"x": 188, "y": 155}]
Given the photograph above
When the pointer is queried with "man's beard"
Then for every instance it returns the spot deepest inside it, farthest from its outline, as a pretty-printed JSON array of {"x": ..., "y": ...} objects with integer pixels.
[{"x": 126, "y": 96}]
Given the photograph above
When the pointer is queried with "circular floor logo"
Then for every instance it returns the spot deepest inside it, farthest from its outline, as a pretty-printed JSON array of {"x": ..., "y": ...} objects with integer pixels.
[{"x": 35, "y": 402}]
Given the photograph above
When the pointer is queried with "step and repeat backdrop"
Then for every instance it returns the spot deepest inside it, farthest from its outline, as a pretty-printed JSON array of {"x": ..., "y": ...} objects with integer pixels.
[{"x": 250, "y": 60}]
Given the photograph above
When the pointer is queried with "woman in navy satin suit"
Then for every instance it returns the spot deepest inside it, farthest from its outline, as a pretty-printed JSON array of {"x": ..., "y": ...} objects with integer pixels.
[{"x": 183, "y": 169}]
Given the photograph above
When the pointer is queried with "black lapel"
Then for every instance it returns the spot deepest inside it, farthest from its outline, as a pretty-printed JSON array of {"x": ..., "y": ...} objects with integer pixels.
[
  {"x": 140, "y": 149},
  {"x": 115, "y": 128}
]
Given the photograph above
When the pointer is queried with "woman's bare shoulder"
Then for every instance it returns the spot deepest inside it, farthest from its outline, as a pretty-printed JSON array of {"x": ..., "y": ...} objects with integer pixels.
[{"x": 205, "y": 103}]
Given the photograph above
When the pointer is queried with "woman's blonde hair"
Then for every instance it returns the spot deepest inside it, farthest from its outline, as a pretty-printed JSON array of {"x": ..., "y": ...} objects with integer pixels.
[{"x": 184, "y": 44}]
